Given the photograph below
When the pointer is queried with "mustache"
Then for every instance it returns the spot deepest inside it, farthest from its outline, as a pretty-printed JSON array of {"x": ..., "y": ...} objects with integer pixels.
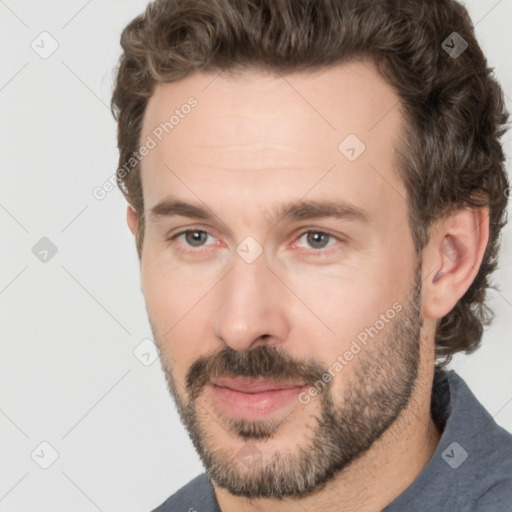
[{"x": 262, "y": 362}]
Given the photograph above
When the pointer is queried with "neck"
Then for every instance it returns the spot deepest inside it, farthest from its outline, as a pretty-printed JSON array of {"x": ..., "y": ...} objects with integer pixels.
[{"x": 378, "y": 476}]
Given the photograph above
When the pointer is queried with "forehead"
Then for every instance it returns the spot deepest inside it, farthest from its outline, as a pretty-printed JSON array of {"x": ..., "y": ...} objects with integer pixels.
[
  {"x": 349, "y": 97},
  {"x": 259, "y": 129}
]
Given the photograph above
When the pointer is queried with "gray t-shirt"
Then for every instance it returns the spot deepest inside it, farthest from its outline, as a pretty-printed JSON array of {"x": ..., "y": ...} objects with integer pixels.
[{"x": 471, "y": 469}]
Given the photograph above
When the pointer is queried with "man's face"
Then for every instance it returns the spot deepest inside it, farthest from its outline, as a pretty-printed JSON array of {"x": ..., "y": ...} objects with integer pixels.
[{"x": 289, "y": 342}]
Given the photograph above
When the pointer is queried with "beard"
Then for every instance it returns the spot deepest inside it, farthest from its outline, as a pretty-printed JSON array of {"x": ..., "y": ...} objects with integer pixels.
[{"x": 378, "y": 389}]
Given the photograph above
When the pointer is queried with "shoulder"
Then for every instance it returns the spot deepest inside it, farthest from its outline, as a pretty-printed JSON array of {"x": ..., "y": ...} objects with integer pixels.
[
  {"x": 197, "y": 495},
  {"x": 488, "y": 444},
  {"x": 471, "y": 468},
  {"x": 477, "y": 452},
  {"x": 494, "y": 471},
  {"x": 496, "y": 498}
]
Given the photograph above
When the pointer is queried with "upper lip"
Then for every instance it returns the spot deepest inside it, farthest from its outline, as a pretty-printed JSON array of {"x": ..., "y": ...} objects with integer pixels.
[{"x": 254, "y": 386}]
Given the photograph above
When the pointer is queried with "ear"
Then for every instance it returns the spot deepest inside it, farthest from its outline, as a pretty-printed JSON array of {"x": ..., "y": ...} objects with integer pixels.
[
  {"x": 131, "y": 218},
  {"x": 452, "y": 258}
]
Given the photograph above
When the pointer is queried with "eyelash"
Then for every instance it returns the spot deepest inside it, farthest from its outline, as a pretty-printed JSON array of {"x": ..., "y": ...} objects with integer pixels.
[{"x": 203, "y": 249}]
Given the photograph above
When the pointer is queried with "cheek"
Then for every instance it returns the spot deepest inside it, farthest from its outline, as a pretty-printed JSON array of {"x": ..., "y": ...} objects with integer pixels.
[
  {"x": 170, "y": 290},
  {"x": 336, "y": 307},
  {"x": 333, "y": 293},
  {"x": 170, "y": 305},
  {"x": 160, "y": 294}
]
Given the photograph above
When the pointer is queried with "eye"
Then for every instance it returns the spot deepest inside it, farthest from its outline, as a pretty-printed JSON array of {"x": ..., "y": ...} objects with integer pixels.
[
  {"x": 193, "y": 237},
  {"x": 317, "y": 239}
]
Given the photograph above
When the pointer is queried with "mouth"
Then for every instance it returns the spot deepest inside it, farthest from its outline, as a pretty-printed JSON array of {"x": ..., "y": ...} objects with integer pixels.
[{"x": 253, "y": 399}]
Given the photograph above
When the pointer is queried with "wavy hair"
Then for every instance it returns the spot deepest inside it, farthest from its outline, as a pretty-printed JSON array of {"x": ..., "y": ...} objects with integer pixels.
[{"x": 451, "y": 155}]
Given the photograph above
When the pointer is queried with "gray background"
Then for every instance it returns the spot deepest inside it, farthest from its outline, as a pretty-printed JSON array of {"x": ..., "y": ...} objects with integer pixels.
[{"x": 70, "y": 325}]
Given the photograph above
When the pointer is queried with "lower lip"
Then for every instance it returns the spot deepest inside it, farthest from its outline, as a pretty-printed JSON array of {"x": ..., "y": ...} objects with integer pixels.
[{"x": 254, "y": 406}]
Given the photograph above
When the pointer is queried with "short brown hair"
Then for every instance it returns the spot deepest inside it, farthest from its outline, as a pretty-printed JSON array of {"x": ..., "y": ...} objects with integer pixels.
[{"x": 451, "y": 156}]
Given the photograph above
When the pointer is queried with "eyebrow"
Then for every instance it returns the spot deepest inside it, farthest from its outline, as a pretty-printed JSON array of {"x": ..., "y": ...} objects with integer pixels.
[{"x": 297, "y": 211}]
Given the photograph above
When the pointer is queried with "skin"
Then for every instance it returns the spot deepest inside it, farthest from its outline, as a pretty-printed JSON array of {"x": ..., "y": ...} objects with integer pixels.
[{"x": 255, "y": 142}]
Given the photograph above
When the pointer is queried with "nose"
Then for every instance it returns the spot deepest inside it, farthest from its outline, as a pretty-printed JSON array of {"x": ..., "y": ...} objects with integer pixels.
[{"x": 252, "y": 307}]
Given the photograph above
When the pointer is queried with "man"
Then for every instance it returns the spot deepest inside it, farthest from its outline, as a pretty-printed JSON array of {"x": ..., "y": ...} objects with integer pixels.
[{"x": 317, "y": 188}]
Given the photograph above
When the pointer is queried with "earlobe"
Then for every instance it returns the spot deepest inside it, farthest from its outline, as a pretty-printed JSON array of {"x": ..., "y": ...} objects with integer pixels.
[
  {"x": 455, "y": 253},
  {"x": 131, "y": 218}
]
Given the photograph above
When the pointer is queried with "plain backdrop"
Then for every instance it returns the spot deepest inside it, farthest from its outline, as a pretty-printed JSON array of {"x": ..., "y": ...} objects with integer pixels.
[{"x": 75, "y": 382}]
